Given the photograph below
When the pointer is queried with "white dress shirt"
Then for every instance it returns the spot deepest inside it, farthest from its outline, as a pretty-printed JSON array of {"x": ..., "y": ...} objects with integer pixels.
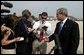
[
  {"x": 39, "y": 24},
  {"x": 64, "y": 21}
]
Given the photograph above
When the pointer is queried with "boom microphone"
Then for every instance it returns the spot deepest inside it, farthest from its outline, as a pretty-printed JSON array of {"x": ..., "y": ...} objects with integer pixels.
[{"x": 7, "y": 4}]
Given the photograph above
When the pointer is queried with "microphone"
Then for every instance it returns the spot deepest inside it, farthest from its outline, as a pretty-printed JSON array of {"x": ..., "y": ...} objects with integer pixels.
[
  {"x": 5, "y": 11},
  {"x": 7, "y": 4}
]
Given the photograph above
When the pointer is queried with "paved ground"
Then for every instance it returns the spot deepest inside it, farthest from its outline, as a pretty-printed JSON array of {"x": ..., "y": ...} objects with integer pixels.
[{"x": 80, "y": 48}]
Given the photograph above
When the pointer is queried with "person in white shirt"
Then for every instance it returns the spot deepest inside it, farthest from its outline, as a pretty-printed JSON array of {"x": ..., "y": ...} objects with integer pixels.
[{"x": 41, "y": 26}]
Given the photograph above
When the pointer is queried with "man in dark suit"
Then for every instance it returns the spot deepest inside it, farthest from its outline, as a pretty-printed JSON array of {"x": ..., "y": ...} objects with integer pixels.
[
  {"x": 67, "y": 31},
  {"x": 22, "y": 29}
]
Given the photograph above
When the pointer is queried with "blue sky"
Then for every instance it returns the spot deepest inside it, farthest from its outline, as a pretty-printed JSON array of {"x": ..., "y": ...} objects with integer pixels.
[{"x": 75, "y": 8}]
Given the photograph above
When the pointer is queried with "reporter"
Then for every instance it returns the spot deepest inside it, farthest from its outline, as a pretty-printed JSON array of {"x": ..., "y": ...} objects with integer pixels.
[
  {"x": 8, "y": 40},
  {"x": 23, "y": 28}
]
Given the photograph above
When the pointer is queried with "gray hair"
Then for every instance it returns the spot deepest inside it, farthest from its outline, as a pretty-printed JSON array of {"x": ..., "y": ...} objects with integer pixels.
[{"x": 62, "y": 11}]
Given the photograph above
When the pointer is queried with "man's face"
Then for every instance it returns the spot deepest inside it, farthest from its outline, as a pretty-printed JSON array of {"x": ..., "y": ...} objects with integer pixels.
[
  {"x": 59, "y": 16},
  {"x": 43, "y": 18}
]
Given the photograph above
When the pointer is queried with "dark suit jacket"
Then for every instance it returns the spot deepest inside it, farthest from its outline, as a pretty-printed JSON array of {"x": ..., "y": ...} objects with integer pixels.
[
  {"x": 23, "y": 47},
  {"x": 68, "y": 37}
]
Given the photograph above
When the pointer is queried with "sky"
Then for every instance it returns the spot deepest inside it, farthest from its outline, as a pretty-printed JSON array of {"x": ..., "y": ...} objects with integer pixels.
[{"x": 75, "y": 8}]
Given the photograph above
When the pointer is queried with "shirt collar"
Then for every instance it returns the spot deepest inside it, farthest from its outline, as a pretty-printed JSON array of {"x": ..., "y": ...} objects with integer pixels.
[
  {"x": 65, "y": 20},
  {"x": 41, "y": 22}
]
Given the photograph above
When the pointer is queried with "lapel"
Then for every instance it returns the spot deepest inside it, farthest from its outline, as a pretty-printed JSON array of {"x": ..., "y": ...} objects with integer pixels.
[{"x": 65, "y": 25}]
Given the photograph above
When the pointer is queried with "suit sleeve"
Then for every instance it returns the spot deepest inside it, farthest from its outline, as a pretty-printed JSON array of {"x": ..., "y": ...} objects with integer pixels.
[{"x": 75, "y": 38}]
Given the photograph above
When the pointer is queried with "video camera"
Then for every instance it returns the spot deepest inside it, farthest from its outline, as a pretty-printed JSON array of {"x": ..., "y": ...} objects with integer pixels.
[{"x": 6, "y": 4}]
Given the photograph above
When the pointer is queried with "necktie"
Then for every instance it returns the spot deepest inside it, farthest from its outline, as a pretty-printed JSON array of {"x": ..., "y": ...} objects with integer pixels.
[
  {"x": 41, "y": 35},
  {"x": 60, "y": 27}
]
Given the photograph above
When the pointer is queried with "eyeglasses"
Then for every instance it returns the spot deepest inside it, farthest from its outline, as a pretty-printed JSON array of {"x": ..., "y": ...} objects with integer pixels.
[{"x": 43, "y": 18}]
